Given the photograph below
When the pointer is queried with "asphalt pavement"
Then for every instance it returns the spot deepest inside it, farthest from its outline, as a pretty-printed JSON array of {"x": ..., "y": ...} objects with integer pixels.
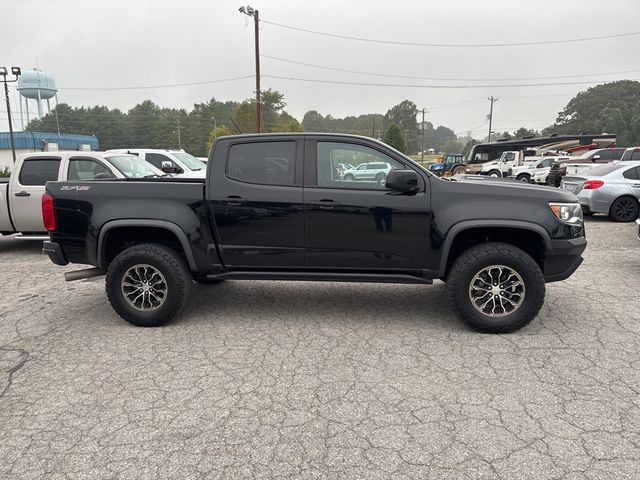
[{"x": 321, "y": 380}]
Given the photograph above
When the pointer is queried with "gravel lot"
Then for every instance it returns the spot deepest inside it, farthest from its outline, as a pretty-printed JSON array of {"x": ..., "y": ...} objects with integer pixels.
[{"x": 321, "y": 380}]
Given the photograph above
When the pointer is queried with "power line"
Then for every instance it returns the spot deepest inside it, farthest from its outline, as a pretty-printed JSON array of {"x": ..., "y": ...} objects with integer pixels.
[
  {"x": 148, "y": 87},
  {"x": 457, "y": 79},
  {"x": 449, "y": 45},
  {"x": 508, "y": 85}
]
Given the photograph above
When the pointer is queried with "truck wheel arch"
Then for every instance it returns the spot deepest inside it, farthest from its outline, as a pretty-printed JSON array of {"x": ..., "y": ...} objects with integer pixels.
[
  {"x": 170, "y": 227},
  {"x": 481, "y": 226}
]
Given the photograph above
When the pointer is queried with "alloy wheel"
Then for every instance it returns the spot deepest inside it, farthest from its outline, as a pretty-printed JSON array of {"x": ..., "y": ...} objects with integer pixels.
[
  {"x": 497, "y": 291},
  {"x": 144, "y": 287}
]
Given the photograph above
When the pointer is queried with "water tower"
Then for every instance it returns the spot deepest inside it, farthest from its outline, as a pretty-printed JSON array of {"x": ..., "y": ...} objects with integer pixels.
[{"x": 34, "y": 87}]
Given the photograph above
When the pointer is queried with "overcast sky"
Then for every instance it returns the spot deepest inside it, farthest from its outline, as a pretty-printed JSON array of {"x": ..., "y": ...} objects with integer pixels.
[{"x": 118, "y": 43}]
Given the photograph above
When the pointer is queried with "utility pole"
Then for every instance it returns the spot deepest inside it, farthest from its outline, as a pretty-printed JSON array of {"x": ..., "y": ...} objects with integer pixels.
[
  {"x": 424, "y": 110},
  {"x": 492, "y": 100},
  {"x": 179, "y": 141},
  {"x": 3, "y": 73},
  {"x": 250, "y": 12},
  {"x": 373, "y": 126}
]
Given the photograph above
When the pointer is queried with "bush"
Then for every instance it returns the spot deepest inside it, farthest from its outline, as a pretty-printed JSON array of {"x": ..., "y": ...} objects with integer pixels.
[{"x": 5, "y": 172}]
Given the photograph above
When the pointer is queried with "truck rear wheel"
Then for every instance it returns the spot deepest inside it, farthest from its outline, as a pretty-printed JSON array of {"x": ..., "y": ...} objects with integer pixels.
[
  {"x": 496, "y": 287},
  {"x": 148, "y": 284}
]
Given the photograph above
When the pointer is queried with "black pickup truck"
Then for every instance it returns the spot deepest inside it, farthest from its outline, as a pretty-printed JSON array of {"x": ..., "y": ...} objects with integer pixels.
[{"x": 278, "y": 207}]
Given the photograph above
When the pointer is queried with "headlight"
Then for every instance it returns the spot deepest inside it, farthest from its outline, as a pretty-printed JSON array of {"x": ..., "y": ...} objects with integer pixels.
[{"x": 567, "y": 212}]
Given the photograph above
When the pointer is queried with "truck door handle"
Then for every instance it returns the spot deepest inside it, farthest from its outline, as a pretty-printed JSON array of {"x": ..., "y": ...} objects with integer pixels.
[
  {"x": 234, "y": 200},
  {"x": 22, "y": 194},
  {"x": 325, "y": 203},
  {"x": 636, "y": 185}
]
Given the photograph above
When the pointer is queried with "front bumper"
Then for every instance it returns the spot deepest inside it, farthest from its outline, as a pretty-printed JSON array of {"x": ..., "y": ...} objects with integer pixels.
[
  {"x": 55, "y": 253},
  {"x": 563, "y": 258}
]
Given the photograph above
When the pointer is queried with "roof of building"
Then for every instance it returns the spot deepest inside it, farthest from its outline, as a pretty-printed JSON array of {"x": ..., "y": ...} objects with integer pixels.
[{"x": 35, "y": 140}]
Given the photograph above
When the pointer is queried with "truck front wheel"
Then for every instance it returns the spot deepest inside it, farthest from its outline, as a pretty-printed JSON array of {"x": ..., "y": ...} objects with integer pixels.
[
  {"x": 494, "y": 173},
  {"x": 496, "y": 287},
  {"x": 148, "y": 284}
]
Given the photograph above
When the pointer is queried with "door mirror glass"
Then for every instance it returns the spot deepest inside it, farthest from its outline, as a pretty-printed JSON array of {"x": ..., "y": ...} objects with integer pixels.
[
  {"x": 169, "y": 167},
  {"x": 596, "y": 157},
  {"x": 402, "y": 180}
]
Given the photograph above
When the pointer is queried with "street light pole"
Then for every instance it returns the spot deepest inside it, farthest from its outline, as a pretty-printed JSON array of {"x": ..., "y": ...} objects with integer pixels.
[
  {"x": 256, "y": 20},
  {"x": 16, "y": 72}
]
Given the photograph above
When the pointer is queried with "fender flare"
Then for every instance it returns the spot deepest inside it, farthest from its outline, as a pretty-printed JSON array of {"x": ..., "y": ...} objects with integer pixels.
[
  {"x": 133, "y": 222},
  {"x": 453, "y": 232}
]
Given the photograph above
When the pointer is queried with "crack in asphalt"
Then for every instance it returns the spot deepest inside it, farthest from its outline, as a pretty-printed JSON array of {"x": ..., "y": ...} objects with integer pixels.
[{"x": 321, "y": 380}]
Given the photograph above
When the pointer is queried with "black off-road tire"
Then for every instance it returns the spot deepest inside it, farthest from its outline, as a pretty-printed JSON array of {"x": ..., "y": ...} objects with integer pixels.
[
  {"x": 459, "y": 170},
  {"x": 624, "y": 209},
  {"x": 478, "y": 257},
  {"x": 169, "y": 264}
]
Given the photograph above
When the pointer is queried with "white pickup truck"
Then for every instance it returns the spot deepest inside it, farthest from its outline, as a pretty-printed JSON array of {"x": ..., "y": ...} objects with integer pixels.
[
  {"x": 20, "y": 194},
  {"x": 176, "y": 162},
  {"x": 527, "y": 173},
  {"x": 504, "y": 166}
]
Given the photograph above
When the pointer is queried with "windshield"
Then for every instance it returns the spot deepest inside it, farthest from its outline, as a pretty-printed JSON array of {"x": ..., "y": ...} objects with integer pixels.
[
  {"x": 132, "y": 166},
  {"x": 191, "y": 162}
]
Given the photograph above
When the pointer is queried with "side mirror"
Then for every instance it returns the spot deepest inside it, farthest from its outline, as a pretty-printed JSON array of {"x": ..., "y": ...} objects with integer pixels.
[
  {"x": 596, "y": 157},
  {"x": 403, "y": 180},
  {"x": 169, "y": 167}
]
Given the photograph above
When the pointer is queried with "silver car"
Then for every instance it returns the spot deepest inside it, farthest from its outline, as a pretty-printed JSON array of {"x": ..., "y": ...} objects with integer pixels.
[{"x": 613, "y": 189}]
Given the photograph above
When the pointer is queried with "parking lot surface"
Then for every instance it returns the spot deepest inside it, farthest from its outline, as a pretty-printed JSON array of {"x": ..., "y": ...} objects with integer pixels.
[{"x": 321, "y": 380}]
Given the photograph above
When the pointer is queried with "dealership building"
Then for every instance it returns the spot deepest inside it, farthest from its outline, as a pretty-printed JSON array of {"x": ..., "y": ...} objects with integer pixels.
[{"x": 28, "y": 142}]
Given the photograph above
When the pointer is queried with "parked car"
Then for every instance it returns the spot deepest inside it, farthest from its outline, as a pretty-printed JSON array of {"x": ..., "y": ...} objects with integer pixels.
[
  {"x": 377, "y": 171},
  {"x": 494, "y": 242},
  {"x": 525, "y": 173},
  {"x": 590, "y": 158},
  {"x": 177, "y": 162},
  {"x": 613, "y": 189},
  {"x": 632, "y": 153},
  {"x": 540, "y": 177},
  {"x": 20, "y": 194}
]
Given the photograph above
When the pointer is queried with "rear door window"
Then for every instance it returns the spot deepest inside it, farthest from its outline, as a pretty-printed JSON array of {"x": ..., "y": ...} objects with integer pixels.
[
  {"x": 38, "y": 171},
  {"x": 632, "y": 174},
  {"x": 265, "y": 163},
  {"x": 87, "y": 169}
]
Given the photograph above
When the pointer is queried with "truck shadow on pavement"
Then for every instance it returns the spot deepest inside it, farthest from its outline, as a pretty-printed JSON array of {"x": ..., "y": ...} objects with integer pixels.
[{"x": 326, "y": 302}]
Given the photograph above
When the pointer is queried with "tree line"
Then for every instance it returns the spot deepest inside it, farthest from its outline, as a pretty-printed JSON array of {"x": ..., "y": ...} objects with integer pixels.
[{"x": 613, "y": 107}]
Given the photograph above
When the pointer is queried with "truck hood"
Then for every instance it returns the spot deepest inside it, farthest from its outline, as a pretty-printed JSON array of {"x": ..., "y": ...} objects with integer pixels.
[
  {"x": 490, "y": 163},
  {"x": 508, "y": 186}
]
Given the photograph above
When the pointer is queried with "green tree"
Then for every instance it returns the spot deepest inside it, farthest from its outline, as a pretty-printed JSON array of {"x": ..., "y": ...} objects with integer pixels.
[
  {"x": 220, "y": 131},
  {"x": 404, "y": 115},
  {"x": 393, "y": 137},
  {"x": 610, "y": 107},
  {"x": 286, "y": 123},
  {"x": 314, "y": 122}
]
